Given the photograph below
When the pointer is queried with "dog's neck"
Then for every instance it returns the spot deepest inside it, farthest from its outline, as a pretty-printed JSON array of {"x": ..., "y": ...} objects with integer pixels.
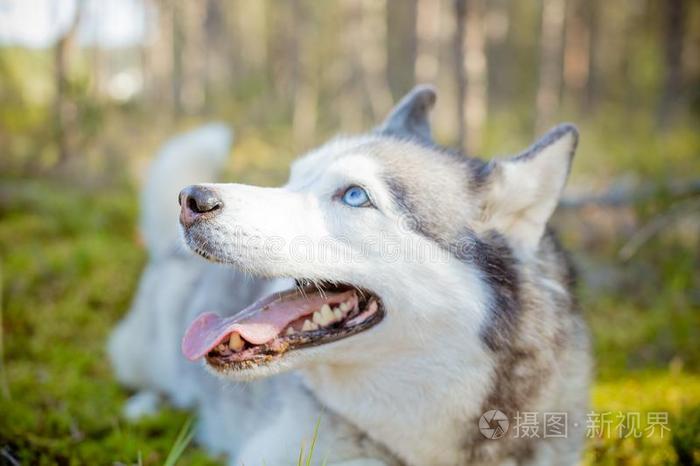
[
  {"x": 416, "y": 402},
  {"x": 419, "y": 410}
]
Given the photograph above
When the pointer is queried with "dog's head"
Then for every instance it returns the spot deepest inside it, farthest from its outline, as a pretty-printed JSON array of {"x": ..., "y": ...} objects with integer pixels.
[{"x": 391, "y": 239}]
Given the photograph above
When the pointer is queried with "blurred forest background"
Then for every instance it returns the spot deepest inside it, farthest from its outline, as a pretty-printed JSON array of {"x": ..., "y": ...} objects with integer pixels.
[{"x": 90, "y": 88}]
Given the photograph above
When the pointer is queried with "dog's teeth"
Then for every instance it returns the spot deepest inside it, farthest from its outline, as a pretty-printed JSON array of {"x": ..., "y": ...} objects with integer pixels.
[
  {"x": 345, "y": 307},
  {"x": 373, "y": 306},
  {"x": 338, "y": 314},
  {"x": 291, "y": 331},
  {"x": 308, "y": 325},
  {"x": 235, "y": 342},
  {"x": 318, "y": 318},
  {"x": 221, "y": 348},
  {"x": 327, "y": 315}
]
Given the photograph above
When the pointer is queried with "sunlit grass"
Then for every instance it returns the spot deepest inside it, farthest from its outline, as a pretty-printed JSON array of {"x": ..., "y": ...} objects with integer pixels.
[
  {"x": 184, "y": 437},
  {"x": 643, "y": 392},
  {"x": 4, "y": 387},
  {"x": 305, "y": 460}
]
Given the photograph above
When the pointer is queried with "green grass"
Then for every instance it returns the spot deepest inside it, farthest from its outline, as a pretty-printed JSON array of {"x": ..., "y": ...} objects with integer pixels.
[
  {"x": 181, "y": 443},
  {"x": 70, "y": 259}
]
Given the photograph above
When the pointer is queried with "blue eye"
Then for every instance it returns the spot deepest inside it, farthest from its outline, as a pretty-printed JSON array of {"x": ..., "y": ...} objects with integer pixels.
[{"x": 355, "y": 196}]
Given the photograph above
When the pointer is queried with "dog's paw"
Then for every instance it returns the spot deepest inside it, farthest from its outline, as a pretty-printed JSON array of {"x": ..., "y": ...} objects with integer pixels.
[{"x": 142, "y": 404}]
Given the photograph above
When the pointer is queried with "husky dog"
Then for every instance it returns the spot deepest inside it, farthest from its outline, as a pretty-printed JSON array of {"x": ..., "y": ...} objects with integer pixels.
[{"x": 425, "y": 293}]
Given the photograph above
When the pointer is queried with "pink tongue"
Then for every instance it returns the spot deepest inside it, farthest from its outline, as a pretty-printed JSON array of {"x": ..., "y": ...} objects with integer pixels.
[{"x": 258, "y": 323}]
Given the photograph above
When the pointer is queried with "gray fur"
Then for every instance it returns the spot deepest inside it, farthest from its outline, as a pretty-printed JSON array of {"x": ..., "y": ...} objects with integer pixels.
[
  {"x": 409, "y": 119},
  {"x": 548, "y": 139}
]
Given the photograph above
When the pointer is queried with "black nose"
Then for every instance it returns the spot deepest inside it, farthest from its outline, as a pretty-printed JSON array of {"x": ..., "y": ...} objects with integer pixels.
[{"x": 200, "y": 199}]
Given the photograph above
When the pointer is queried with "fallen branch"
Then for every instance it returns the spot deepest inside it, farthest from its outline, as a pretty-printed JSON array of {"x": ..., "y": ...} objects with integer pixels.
[
  {"x": 657, "y": 224},
  {"x": 622, "y": 196}
]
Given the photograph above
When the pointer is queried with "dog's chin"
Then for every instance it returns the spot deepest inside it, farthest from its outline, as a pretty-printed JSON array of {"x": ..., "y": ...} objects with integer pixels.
[
  {"x": 293, "y": 360},
  {"x": 197, "y": 237},
  {"x": 210, "y": 245},
  {"x": 253, "y": 372}
]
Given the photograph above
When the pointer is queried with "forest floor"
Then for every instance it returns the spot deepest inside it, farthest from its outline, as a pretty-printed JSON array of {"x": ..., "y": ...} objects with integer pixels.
[{"x": 70, "y": 260}]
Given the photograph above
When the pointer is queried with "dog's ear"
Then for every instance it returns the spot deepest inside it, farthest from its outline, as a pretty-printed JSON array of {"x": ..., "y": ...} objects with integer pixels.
[
  {"x": 409, "y": 118},
  {"x": 521, "y": 193}
]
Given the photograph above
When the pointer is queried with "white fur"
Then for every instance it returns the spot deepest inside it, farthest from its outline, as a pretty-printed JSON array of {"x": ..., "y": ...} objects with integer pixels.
[{"x": 526, "y": 192}]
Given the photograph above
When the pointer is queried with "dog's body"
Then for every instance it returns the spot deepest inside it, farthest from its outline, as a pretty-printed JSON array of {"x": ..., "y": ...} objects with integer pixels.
[{"x": 476, "y": 311}]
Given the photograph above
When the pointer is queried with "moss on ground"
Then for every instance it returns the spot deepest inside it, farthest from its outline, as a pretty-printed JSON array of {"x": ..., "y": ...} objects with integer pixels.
[{"x": 70, "y": 261}]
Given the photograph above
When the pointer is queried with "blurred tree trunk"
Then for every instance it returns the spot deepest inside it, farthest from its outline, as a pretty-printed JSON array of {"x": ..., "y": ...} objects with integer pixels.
[
  {"x": 471, "y": 73},
  {"x": 64, "y": 108},
  {"x": 159, "y": 55},
  {"x": 231, "y": 45},
  {"x": 460, "y": 7},
  {"x": 499, "y": 53},
  {"x": 97, "y": 70},
  {"x": 476, "y": 69},
  {"x": 306, "y": 78},
  {"x": 591, "y": 89},
  {"x": 550, "y": 69},
  {"x": 401, "y": 45},
  {"x": 250, "y": 25},
  {"x": 576, "y": 52},
  {"x": 194, "y": 51},
  {"x": 190, "y": 51},
  {"x": 178, "y": 39},
  {"x": 215, "y": 51},
  {"x": 286, "y": 28},
  {"x": 674, "y": 11},
  {"x": 98, "y": 57},
  {"x": 425, "y": 68},
  {"x": 372, "y": 56},
  {"x": 349, "y": 95}
]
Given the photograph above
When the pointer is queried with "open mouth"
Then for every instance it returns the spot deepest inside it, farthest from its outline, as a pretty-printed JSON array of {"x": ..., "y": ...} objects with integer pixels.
[{"x": 298, "y": 318}]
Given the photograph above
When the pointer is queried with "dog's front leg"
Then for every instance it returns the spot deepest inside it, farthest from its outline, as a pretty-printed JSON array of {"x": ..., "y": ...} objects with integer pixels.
[{"x": 143, "y": 403}]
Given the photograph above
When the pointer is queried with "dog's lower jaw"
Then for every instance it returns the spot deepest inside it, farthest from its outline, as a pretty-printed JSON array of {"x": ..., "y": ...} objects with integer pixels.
[{"x": 275, "y": 366}]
